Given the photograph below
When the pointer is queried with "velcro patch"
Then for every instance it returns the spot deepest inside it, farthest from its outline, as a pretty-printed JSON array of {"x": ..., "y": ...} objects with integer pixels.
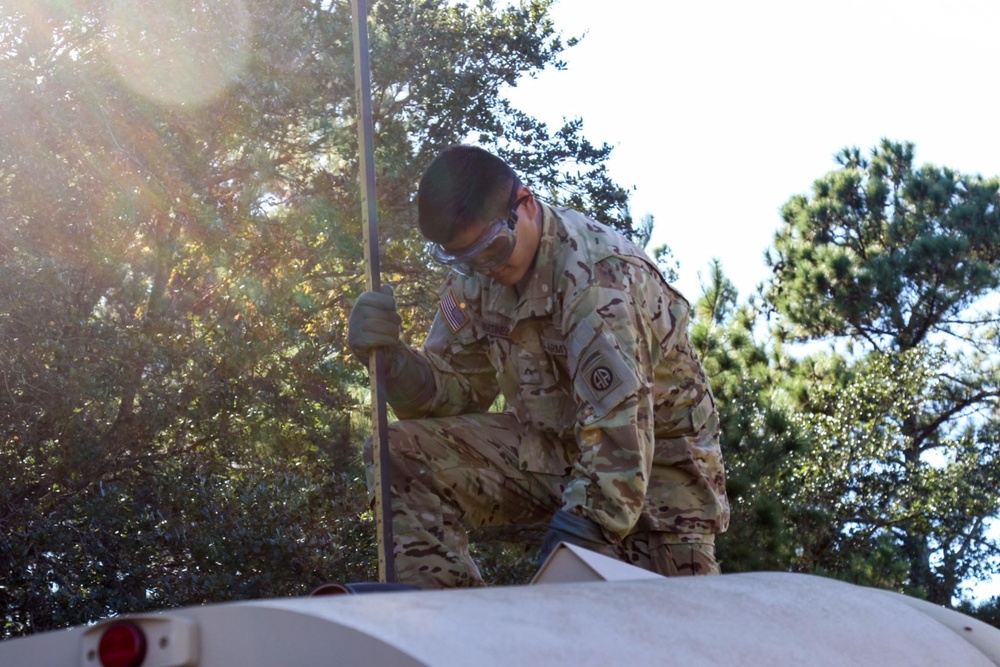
[
  {"x": 556, "y": 348},
  {"x": 604, "y": 378},
  {"x": 452, "y": 311},
  {"x": 494, "y": 324}
]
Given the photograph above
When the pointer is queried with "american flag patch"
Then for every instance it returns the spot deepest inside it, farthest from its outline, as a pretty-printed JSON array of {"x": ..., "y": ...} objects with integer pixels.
[{"x": 452, "y": 311}]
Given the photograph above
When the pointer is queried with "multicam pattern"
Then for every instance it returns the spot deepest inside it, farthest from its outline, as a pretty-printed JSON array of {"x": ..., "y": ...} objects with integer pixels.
[
  {"x": 594, "y": 361},
  {"x": 456, "y": 472}
]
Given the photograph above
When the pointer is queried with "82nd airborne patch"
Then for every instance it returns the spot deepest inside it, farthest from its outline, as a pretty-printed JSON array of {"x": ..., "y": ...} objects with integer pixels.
[
  {"x": 605, "y": 379},
  {"x": 602, "y": 375},
  {"x": 598, "y": 373}
]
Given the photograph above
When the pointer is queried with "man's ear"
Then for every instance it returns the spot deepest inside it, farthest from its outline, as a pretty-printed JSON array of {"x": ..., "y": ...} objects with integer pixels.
[{"x": 530, "y": 204}]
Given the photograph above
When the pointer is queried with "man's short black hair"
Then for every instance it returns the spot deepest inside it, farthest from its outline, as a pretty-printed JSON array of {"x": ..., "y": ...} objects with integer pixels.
[{"x": 462, "y": 185}]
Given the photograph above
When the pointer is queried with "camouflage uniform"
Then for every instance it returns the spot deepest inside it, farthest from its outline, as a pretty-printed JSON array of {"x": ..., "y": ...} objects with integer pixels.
[{"x": 609, "y": 413}]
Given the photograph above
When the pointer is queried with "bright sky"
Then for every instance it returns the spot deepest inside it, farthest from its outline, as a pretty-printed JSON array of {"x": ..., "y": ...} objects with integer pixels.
[{"x": 721, "y": 111}]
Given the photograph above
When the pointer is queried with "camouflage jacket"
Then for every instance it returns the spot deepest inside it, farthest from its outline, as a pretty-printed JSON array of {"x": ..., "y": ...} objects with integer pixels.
[{"x": 594, "y": 355}]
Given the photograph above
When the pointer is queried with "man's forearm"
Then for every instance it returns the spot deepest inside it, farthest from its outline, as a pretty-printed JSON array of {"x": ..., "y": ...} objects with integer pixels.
[
  {"x": 611, "y": 477},
  {"x": 410, "y": 384}
]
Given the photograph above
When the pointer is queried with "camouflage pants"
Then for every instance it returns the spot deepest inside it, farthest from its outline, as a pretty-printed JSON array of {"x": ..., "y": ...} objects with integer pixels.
[{"x": 451, "y": 473}]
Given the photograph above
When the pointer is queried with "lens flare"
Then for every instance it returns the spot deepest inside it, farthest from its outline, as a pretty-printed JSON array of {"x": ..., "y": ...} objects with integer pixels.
[{"x": 176, "y": 52}]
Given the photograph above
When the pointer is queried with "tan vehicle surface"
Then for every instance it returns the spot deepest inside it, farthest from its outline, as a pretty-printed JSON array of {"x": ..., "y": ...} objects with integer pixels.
[{"x": 582, "y": 609}]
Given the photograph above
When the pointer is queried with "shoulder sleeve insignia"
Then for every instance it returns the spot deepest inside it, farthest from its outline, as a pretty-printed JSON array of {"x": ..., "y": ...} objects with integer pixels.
[
  {"x": 453, "y": 311},
  {"x": 604, "y": 378}
]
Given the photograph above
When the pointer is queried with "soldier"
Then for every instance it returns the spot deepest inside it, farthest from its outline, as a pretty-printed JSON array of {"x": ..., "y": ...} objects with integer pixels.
[{"x": 610, "y": 436}]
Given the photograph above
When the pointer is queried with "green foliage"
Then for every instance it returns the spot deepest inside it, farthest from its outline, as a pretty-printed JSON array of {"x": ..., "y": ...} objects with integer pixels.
[
  {"x": 885, "y": 252},
  {"x": 759, "y": 429},
  {"x": 179, "y": 247},
  {"x": 877, "y": 498},
  {"x": 875, "y": 461},
  {"x": 178, "y": 531}
]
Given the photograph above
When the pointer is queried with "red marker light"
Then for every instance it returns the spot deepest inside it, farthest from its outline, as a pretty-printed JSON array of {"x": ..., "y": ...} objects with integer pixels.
[{"x": 123, "y": 644}]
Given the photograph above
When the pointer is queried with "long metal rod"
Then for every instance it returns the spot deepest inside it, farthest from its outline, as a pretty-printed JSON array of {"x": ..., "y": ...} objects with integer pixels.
[{"x": 369, "y": 211}]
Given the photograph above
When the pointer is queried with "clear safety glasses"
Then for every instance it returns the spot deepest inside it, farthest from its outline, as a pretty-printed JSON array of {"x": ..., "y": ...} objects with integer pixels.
[{"x": 491, "y": 251}]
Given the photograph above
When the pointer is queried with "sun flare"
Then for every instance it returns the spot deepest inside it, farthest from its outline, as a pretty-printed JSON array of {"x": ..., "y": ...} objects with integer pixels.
[{"x": 178, "y": 53}]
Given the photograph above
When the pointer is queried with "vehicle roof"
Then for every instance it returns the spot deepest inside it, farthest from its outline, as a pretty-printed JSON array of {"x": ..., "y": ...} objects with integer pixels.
[{"x": 622, "y": 616}]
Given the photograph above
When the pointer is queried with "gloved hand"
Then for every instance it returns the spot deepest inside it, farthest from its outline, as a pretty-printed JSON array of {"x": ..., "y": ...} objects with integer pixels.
[
  {"x": 568, "y": 527},
  {"x": 374, "y": 322}
]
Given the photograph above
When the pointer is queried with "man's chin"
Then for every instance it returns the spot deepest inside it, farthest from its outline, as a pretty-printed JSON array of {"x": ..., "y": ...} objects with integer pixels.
[
  {"x": 504, "y": 277},
  {"x": 508, "y": 275}
]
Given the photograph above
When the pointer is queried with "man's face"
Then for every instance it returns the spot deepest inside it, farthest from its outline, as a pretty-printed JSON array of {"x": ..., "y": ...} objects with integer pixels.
[{"x": 525, "y": 233}]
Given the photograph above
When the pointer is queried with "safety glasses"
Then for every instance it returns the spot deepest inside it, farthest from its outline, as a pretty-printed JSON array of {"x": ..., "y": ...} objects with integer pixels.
[{"x": 491, "y": 251}]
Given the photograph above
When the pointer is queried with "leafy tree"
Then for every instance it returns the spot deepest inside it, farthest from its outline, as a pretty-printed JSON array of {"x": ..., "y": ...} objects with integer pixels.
[
  {"x": 887, "y": 253},
  {"x": 179, "y": 247},
  {"x": 761, "y": 432},
  {"x": 898, "y": 262}
]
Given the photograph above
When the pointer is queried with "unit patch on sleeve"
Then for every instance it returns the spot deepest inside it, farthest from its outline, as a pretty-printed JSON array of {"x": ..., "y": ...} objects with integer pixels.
[
  {"x": 604, "y": 378},
  {"x": 452, "y": 311}
]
